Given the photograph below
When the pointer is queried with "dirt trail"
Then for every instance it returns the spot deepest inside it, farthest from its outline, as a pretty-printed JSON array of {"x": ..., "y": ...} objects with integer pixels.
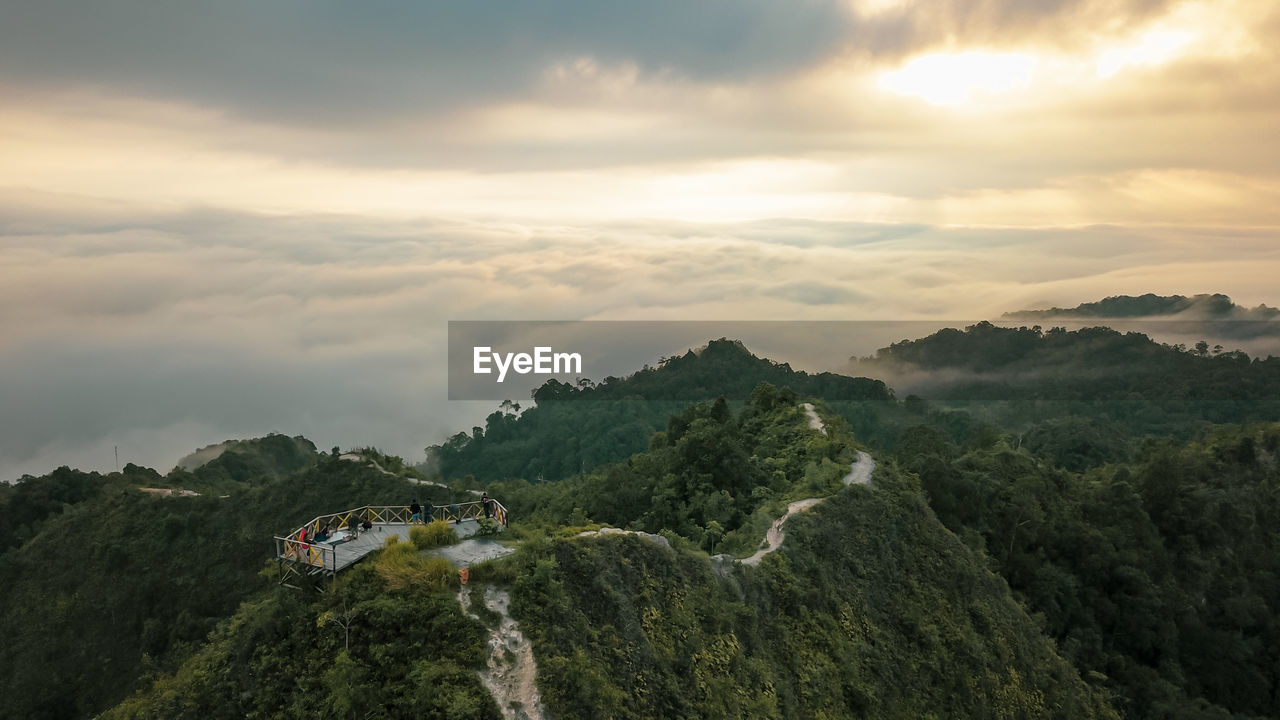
[
  {"x": 815, "y": 422},
  {"x": 773, "y": 539},
  {"x": 355, "y": 457},
  {"x": 859, "y": 474},
  {"x": 170, "y": 492},
  {"x": 511, "y": 673}
]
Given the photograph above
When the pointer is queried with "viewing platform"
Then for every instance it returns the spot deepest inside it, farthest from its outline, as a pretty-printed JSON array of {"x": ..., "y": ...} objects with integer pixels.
[{"x": 350, "y": 540}]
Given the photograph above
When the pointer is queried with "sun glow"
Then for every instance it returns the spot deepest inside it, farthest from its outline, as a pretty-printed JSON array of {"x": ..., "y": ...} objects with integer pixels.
[
  {"x": 970, "y": 77},
  {"x": 958, "y": 78},
  {"x": 1153, "y": 48}
]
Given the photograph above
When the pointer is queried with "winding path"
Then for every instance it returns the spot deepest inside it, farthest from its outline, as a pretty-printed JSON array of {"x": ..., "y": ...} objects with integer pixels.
[
  {"x": 815, "y": 422},
  {"x": 510, "y": 674},
  {"x": 859, "y": 474}
]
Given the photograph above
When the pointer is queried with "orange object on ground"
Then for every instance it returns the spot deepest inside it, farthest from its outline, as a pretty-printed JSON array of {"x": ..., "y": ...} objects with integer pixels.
[{"x": 463, "y": 574}]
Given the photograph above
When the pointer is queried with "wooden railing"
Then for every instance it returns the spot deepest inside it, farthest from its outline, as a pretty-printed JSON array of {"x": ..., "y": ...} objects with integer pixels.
[{"x": 320, "y": 555}]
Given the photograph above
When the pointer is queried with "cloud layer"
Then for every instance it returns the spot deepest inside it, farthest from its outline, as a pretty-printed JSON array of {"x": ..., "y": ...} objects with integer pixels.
[
  {"x": 240, "y": 218},
  {"x": 184, "y": 329}
]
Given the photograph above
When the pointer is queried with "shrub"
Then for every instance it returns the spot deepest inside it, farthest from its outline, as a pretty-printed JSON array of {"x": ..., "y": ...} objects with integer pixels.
[
  {"x": 401, "y": 567},
  {"x": 487, "y": 527},
  {"x": 433, "y": 534},
  {"x": 495, "y": 570}
]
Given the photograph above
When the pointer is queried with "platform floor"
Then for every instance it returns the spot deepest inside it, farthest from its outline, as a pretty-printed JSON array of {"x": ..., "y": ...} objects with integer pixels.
[{"x": 348, "y": 553}]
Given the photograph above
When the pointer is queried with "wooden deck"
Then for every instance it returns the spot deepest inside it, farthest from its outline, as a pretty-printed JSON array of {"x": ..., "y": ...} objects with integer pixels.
[
  {"x": 322, "y": 558},
  {"x": 347, "y": 553},
  {"x": 298, "y": 559}
]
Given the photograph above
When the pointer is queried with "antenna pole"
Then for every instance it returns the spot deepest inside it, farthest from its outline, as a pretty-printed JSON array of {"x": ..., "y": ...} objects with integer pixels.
[{"x": 117, "y": 449}]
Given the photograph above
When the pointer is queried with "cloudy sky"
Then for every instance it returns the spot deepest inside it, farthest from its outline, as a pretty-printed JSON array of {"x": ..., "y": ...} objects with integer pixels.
[{"x": 224, "y": 219}]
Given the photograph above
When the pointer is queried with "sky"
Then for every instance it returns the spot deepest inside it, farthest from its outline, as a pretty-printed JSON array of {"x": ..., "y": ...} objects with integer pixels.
[{"x": 219, "y": 220}]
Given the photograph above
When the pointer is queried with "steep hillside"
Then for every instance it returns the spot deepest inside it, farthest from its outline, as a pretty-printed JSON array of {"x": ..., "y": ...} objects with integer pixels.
[
  {"x": 714, "y": 477},
  {"x": 1058, "y": 566},
  {"x": 360, "y": 650},
  {"x": 117, "y": 584},
  {"x": 871, "y": 609},
  {"x": 1157, "y": 578},
  {"x": 572, "y": 429}
]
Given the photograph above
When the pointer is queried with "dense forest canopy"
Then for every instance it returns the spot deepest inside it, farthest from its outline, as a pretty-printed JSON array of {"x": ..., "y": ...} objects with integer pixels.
[
  {"x": 571, "y": 429},
  {"x": 1019, "y": 377},
  {"x": 1061, "y": 524},
  {"x": 1105, "y": 388},
  {"x": 107, "y": 585}
]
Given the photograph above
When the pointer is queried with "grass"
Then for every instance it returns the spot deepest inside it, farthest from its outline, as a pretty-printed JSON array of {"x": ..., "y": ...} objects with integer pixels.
[{"x": 432, "y": 535}]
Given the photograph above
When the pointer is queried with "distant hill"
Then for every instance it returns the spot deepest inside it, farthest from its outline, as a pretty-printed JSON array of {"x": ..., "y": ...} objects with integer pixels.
[
  {"x": 274, "y": 455},
  {"x": 1214, "y": 315},
  {"x": 575, "y": 428},
  {"x": 1017, "y": 377}
]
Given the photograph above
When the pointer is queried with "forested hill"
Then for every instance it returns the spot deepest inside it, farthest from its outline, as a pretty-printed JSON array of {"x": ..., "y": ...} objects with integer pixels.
[
  {"x": 870, "y": 609},
  {"x": 106, "y": 584},
  {"x": 1083, "y": 397},
  {"x": 30, "y": 501},
  {"x": 974, "y": 577},
  {"x": 572, "y": 429},
  {"x": 1023, "y": 375},
  {"x": 1157, "y": 577},
  {"x": 984, "y": 347},
  {"x": 1215, "y": 306}
]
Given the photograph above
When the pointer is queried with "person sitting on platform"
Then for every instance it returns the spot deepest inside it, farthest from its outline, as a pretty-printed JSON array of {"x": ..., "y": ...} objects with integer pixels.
[{"x": 366, "y": 524}]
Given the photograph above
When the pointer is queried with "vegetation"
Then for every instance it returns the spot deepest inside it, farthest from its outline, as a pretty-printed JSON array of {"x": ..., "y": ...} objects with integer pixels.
[
  {"x": 1215, "y": 306},
  {"x": 115, "y": 586},
  {"x": 712, "y": 477},
  {"x": 366, "y": 648},
  {"x": 573, "y": 429},
  {"x": 871, "y": 609},
  {"x": 432, "y": 535},
  {"x": 402, "y": 567},
  {"x": 1062, "y": 524},
  {"x": 1156, "y": 578},
  {"x": 1015, "y": 378}
]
